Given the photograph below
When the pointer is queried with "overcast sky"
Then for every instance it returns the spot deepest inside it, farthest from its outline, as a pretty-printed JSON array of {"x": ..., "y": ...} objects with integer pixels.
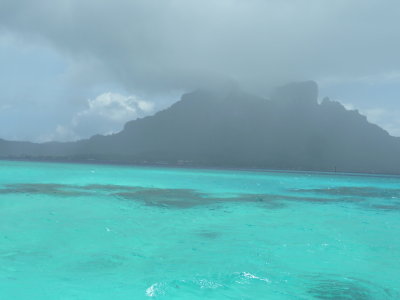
[{"x": 74, "y": 68}]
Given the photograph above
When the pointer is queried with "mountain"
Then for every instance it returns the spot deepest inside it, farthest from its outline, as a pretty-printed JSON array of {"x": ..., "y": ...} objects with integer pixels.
[{"x": 231, "y": 128}]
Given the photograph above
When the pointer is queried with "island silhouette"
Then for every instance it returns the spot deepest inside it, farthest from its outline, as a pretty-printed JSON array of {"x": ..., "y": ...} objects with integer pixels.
[{"x": 230, "y": 128}]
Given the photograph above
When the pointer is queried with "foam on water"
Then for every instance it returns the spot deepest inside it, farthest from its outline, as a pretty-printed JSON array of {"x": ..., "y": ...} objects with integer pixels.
[{"x": 71, "y": 231}]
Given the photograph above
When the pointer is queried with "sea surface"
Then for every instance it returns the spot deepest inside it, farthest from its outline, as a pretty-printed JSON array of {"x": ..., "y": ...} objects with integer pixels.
[{"x": 81, "y": 231}]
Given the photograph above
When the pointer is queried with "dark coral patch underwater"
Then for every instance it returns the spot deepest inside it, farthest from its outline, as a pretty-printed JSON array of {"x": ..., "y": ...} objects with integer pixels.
[
  {"x": 345, "y": 288},
  {"x": 364, "y": 197}
]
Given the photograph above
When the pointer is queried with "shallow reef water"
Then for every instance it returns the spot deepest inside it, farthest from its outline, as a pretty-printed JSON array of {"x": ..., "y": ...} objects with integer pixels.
[{"x": 81, "y": 231}]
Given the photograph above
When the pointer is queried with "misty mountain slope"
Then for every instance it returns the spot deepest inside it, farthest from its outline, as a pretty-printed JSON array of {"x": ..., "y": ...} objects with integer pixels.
[{"x": 230, "y": 128}]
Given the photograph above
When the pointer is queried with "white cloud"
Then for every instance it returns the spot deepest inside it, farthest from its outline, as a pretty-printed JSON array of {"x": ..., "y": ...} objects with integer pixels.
[
  {"x": 105, "y": 114},
  {"x": 114, "y": 107}
]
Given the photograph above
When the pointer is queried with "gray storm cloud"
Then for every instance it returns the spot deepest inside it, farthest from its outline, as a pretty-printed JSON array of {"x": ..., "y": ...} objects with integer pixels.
[
  {"x": 154, "y": 50},
  {"x": 153, "y": 45}
]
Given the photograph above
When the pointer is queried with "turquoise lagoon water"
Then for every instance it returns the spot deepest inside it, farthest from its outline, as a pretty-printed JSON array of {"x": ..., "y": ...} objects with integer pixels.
[{"x": 71, "y": 231}]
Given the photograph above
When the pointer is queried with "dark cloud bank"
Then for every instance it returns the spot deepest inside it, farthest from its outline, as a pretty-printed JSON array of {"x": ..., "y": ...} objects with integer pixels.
[{"x": 150, "y": 46}]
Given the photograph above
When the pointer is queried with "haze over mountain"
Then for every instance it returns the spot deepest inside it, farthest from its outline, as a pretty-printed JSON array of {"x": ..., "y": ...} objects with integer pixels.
[
  {"x": 66, "y": 63},
  {"x": 230, "y": 128}
]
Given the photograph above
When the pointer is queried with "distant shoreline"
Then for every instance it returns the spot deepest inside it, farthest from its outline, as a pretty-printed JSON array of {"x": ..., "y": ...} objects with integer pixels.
[{"x": 195, "y": 167}]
